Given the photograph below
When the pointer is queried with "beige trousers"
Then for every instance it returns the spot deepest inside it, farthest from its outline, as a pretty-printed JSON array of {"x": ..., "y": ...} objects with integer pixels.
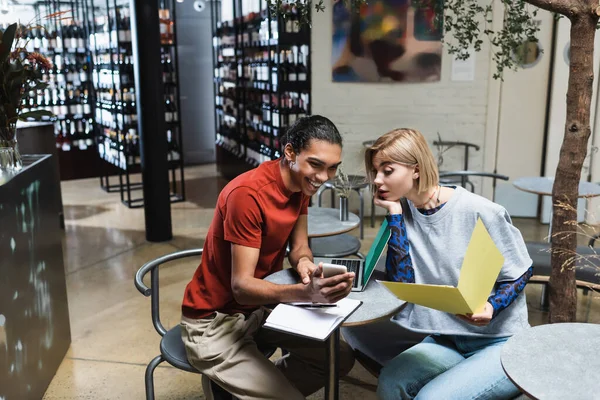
[{"x": 224, "y": 348}]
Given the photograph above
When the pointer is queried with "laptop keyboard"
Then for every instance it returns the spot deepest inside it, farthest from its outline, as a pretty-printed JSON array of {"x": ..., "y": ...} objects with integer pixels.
[{"x": 351, "y": 265}]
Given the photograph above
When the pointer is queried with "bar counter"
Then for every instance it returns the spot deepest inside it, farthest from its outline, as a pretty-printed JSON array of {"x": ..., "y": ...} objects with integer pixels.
[{"x": 34, "y": 316}]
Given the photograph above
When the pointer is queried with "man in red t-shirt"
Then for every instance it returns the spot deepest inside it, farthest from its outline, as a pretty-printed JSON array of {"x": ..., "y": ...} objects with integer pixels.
[{"x": 256, "y": 216}]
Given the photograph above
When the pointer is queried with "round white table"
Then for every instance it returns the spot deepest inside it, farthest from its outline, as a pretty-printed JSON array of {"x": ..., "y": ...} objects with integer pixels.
[
  {"x": 555, "y": 361},
  {"x": 543, "y": 186},
  {"x": 323, "y": 221}
]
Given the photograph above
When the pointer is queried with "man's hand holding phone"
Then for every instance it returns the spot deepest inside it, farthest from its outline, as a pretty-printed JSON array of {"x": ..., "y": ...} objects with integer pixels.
[
  {"x": 306, "y": 269},
  {"x": 330, "y": 283},
  {"x": 332, "y": 269}
]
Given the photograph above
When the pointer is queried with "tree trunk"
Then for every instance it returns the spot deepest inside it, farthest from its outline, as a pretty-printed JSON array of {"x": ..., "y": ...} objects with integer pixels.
[{"x": 563, "y": 293}]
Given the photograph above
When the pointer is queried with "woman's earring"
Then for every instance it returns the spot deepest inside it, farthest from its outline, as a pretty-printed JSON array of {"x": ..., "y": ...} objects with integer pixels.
[{"x": 292, "y": 163}]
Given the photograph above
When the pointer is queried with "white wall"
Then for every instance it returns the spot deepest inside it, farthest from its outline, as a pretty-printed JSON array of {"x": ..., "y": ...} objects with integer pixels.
[
  {"x": 364, "y": 111},
  {"x": 22, "y": 13}
]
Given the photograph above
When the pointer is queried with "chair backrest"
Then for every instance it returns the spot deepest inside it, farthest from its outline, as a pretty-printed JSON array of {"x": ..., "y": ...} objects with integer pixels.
[
  {"x": 152, "y": 291},
  {"x": 450, "y": 144},
  {"x": 463, "y": 175}
]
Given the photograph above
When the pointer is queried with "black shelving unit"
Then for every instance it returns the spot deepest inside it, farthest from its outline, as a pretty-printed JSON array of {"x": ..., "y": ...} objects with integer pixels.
[
  {"x": 60, "y": 34},
  {"x": 261, "y": 83},
  {"x": 115, "y": 108}
]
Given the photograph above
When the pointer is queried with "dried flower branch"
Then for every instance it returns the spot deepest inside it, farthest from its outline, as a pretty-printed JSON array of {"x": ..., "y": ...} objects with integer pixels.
[
  {"x": 341, "y": 183},
  {"x": 441, "y": 147},
  {"x": 344, "y": 183},
  {"x": 591, "y": 258}
]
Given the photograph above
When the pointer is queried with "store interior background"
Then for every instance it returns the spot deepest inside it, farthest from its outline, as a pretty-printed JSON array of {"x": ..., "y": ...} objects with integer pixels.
[{"x": 104, "y": 241}]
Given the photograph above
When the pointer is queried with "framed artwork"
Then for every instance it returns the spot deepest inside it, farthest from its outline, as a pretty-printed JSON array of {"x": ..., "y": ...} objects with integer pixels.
[{"x": 387, "y": 41}]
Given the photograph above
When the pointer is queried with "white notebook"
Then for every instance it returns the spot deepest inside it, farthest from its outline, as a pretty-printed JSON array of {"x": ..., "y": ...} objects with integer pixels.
[{"x": 316, "y": 323}]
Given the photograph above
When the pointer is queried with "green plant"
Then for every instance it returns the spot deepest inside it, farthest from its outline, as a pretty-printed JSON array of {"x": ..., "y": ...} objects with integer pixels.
[
  {"x": 20, "y": 78},
  {"x": 303, "y": 8}
]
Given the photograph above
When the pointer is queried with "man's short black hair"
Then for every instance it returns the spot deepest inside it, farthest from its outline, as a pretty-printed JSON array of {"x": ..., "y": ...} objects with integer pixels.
[{"x": 314, "y": 127}]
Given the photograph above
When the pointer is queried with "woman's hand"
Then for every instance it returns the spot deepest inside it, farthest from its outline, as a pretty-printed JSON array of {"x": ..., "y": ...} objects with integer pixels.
[
  {"x": 393, "y": 207},
  {"x": 481, "y": 318}
]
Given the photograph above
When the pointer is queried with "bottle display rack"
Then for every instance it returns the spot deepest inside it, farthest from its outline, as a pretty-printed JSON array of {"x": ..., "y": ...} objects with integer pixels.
[
  {"x": 115, "y": 108},
  {"x": 261, "y": 81}
]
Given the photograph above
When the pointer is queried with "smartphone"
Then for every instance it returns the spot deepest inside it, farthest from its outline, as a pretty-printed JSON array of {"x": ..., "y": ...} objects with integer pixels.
[{"x": 332, "y": 269}]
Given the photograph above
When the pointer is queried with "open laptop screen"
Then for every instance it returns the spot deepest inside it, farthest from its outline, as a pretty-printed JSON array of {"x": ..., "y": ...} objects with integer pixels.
[{"x": 376, "y": 249}]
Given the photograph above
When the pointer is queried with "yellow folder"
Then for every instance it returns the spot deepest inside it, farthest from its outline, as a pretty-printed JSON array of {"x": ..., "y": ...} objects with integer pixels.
[{"x": 479, "y": 271}]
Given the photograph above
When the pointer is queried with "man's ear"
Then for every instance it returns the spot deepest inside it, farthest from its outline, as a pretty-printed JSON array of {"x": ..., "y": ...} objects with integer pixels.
[{"x": 289, "y": 153}]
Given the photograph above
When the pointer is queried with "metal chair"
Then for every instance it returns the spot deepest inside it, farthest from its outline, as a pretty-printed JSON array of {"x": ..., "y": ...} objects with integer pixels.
[
  {"x": 446, "y": 177},
  {"x": 586, "y": 269},
  {"x": 464, "y": 179},
  {"x": 172, "y": 349}
]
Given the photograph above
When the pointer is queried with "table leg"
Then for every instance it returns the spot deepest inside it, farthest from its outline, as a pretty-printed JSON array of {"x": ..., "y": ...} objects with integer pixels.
[
  {"x": 332, "y": 384},
  {"x": 372, "y": 211}
]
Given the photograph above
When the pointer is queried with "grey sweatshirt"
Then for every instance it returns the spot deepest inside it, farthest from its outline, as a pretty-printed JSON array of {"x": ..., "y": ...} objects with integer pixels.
[{"x": 438, "y": 243}]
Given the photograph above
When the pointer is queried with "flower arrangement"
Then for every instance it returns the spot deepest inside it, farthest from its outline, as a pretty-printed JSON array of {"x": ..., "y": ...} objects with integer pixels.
[{"x": 20, "y": 78}]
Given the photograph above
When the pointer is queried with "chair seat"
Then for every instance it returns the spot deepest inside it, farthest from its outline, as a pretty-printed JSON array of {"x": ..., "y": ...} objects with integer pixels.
[
  {"x": 173, "y": 350},
  {"x": 335, "y": 246},
  {"x": 585, "y": 270}
]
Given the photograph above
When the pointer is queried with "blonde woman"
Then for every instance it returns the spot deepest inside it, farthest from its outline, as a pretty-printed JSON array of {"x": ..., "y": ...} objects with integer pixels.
[{"x": 431, "y": 227}]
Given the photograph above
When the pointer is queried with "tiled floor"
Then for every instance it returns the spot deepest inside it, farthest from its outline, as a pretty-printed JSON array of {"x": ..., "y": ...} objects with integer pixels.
[{"x": 112, "y": 335}]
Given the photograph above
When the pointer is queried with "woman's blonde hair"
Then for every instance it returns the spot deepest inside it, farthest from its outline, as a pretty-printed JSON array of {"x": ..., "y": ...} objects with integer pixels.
[{"x": 408, "y": 147}]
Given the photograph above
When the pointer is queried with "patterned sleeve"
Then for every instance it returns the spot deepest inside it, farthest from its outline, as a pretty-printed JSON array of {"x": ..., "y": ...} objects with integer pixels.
[
  {"x": 398, "y": 264},
  {"x": 507, "y": 292}
]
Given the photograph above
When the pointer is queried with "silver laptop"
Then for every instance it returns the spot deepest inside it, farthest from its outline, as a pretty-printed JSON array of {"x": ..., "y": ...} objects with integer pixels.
[{"x": 363, "y": 269}]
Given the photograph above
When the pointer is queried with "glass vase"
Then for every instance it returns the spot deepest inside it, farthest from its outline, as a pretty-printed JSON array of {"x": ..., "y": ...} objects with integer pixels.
[
  {"x": 344, "y": 208},
  {"x": 10, "y": 158}
]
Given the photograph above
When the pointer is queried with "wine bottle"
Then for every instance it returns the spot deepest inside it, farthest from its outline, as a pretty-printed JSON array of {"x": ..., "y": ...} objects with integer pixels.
[
  {"x": 292, "y": 75},
  {"x": 301, "y": 67}
]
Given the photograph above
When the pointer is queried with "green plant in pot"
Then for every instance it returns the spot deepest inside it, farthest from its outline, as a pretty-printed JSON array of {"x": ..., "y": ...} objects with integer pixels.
[{"x": 21, "y": 74}]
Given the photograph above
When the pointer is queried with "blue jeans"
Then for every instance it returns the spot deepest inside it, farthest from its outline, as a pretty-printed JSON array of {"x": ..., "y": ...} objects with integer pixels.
[{"x": 447, "y": 367}]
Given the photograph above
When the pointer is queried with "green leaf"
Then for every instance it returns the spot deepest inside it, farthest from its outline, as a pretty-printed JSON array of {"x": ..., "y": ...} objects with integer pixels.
[
  {"x": 35, "y": 115},
  {"x": 7, "y": 41},
  {"x": 16, "y": 73}
]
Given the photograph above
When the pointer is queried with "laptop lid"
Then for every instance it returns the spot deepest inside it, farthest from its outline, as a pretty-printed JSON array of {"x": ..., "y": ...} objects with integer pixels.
[{"x": 375, "y": 251}]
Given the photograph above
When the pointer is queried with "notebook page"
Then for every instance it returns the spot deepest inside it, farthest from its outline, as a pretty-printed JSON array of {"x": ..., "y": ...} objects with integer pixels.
[{"x": 316, "y": 323}]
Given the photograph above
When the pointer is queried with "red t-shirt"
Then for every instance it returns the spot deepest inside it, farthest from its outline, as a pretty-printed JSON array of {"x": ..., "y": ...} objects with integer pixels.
[{"x": 255, "y": 210}]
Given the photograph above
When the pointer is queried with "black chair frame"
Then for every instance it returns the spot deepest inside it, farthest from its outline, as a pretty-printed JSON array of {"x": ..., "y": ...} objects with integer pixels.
[
  {"x": 153, "y": 293},
  {"x": 171, "y": 346},
  {"x": 463, "y": 175}
]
